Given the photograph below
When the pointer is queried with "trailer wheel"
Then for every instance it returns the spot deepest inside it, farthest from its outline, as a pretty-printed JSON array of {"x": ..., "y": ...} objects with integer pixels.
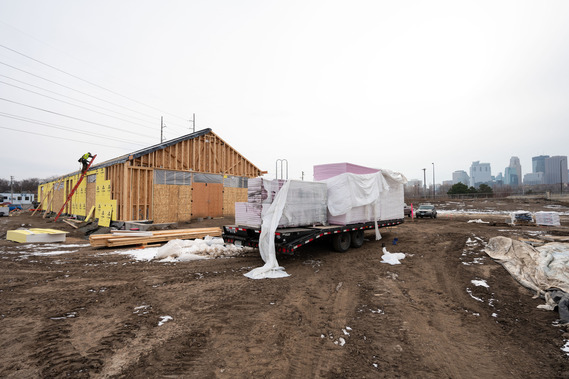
[
  {"x": 357, "y": 238},
  {"x": 341, "y": 242}
]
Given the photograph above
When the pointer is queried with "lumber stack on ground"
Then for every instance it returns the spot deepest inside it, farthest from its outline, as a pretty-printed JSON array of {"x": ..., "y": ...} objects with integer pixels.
[{"x": 114, "y": 240}]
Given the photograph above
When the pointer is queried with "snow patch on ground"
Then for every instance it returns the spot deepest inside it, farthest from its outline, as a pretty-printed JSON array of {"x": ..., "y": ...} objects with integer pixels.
[
  {"x": 480, "y": 283},
  {"x": 186, "y": 250},
  {"x": 164, "y": 319}
]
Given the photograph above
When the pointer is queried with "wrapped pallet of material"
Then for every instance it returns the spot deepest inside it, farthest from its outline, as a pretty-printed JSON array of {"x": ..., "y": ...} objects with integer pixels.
[
  {"x": 547, "y": 218},
  {"x": 329, "y": 170},
  {"x": 263, "y": 191},
  {"x": 392, "y": 196},
  {"x": 361, "y": 194},
  {"x": 306, "y": 203}
]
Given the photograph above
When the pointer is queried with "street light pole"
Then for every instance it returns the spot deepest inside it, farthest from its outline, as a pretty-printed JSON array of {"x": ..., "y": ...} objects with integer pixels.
[
  {"x": 561, "y": 176},
  {"x": 434, "y": 185},
  {"x": 424, "y": 182}
]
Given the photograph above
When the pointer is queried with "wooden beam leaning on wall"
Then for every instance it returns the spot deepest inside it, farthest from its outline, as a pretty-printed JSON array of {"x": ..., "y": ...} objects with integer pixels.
[{"x": 56, "y": 185}]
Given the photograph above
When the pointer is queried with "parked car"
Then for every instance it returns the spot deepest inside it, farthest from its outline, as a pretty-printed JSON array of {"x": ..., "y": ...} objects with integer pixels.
[
  {"x": 426, "y": 210},
  {"x": 406, "y": 210}
]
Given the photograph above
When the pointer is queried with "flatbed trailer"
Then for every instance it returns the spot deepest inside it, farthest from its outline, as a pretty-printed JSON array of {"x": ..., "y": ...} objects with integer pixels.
[{"x": 287, "y": 240}]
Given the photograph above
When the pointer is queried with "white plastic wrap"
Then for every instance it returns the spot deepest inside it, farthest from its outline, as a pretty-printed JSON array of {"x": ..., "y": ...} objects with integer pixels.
[
  {"x": 369, "y": 197},
  {"x": 347, "y": 191},
  {"x": 271, "y": 269},
  {"x": 306, "y": 203},
  {"x": 547, "y": 218},
  {"x": 392, "y": 198}
]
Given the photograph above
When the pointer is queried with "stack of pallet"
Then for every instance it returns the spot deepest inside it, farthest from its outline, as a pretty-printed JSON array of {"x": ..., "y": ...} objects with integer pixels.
[
  {"x": 547, "y": 218},
  {"x": 387, "y": 203},
  {"x": 305, "y": 205},
  {"x": 125, "y": 238}
]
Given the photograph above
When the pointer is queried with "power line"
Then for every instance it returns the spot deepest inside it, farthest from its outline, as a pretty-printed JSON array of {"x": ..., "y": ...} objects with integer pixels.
[
  {"x": 75, "y": 90},
  {"x": 50, "y": 125},
  {"x": 89, "y": 82},
  {"x": 62, "y": 138},
  {"x": 75, "y": 105},
  {"x": 69, "y": 97},
  {"x": 83, "y": 63},
  {"x": 64, "y": 115}
]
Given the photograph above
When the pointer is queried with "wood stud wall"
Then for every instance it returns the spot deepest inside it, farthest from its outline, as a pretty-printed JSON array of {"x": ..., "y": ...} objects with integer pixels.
[{"x": 207, "y": 154}]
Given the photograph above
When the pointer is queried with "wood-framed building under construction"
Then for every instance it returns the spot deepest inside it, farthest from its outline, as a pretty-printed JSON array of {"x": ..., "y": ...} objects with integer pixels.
[{"x": 194, "y": 176}]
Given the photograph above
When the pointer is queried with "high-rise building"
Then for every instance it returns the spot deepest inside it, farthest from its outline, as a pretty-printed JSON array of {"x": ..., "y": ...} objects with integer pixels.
[
  {"x": 480, "y": 173},
  {"x": 513, "y": 173},
  {"x": 533, "y": 178},
  {"x": 538, "y": 163},
  {"x": 499, "y": 178},
  {"x": 460, "y": 176},
  {"x": 555, "y": 170},
  {"x": 414, "y": 183}
]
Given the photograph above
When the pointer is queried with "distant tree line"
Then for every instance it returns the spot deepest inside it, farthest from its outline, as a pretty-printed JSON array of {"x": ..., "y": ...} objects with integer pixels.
[
  {"x": 462, "y": 189},
  {"x": 18, "y": 186}
]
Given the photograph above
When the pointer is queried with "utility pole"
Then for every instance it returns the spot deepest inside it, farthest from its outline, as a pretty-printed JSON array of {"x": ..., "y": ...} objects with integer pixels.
[
  {"x": 424, "y": 182},
  {"x": 561, "y": 176},
  {"x": 11, "y": 189},
  {"x": 162, "y": 126},
  {"x": 302, "y": 175},
  {"x": 434, "y": 185},
  {"x": 194, "y": 123}
]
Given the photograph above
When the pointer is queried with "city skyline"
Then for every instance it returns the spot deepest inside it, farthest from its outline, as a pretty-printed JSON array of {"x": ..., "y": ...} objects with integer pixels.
[{"x": 497, "y": 175}]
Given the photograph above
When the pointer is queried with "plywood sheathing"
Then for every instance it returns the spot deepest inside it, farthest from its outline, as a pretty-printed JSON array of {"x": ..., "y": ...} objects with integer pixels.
[
  {"x": 172, "y": 203},
  {"x": 232, "y": 196}
]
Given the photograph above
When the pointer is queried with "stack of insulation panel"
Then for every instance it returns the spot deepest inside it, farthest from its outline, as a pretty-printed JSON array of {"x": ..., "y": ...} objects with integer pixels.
[
  {"x": 327, "y": 171},
  {"x": 547, "y": 218},
  {"x": 306, "y": 203},
  {"x": 391, "y": 197}
]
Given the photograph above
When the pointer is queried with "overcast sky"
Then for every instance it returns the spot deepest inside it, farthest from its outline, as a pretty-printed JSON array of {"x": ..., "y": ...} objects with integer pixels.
[{"x": 387, "y": 84}]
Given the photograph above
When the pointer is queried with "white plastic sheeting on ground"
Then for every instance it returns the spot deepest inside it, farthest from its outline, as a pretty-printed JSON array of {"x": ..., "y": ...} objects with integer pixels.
[
  {"x": 391, "y": 258},
  {"x": 271, "y": 269},
  {"x": 538, "y": 268},
  {"x": 190, "y": 250}
]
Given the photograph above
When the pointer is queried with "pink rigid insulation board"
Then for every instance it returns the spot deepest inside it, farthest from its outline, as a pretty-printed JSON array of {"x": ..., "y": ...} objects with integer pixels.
[{"x": 329, "y": 170}]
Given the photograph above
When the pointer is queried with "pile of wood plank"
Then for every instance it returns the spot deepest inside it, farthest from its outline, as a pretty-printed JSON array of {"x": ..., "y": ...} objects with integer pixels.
[{"x": 125, "y": 238}]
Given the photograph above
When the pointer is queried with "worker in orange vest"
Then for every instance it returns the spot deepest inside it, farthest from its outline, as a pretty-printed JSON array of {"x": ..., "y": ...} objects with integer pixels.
[{"x": 84, "y": 160}]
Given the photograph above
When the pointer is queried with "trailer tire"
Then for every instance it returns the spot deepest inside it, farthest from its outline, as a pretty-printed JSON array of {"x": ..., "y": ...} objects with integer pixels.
[
  {"x": 357, "y": 238},
  {"x": 341, "y": 242}
]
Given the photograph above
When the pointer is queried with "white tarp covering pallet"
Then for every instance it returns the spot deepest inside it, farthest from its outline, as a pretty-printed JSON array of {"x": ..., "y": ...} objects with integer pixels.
[
  {"x": 541, "y": 269},
  {"x": 354, "y": 198},
  {"x": 306, "y": 203}
]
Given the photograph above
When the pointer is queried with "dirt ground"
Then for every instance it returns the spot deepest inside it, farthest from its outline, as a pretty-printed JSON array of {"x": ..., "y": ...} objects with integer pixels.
[{"x": 93, "y": 313}]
